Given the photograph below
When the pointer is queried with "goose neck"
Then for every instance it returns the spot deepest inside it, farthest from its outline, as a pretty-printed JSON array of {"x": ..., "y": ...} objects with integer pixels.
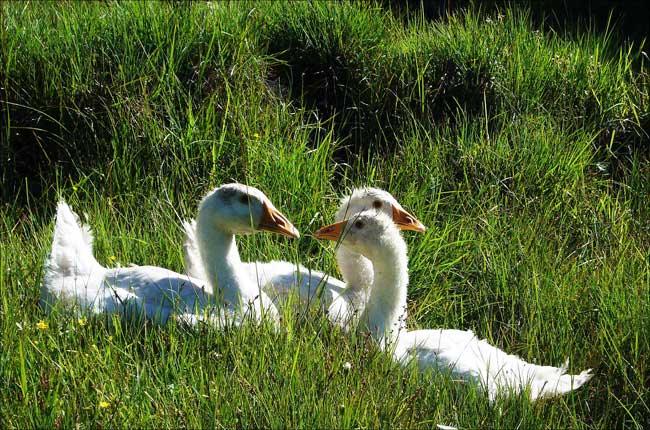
[
  {"x": 387, "y": 298},
  {"x": 356, "y": 269},
  {"x": 222, "y": 262}
]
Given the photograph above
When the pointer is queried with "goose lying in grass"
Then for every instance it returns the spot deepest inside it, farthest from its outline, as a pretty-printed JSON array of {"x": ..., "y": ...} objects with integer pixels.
[
  {"x": 73, "y": 276},
  {"x": 374, "y": 235},
  {"x": 278, "y": 278}
]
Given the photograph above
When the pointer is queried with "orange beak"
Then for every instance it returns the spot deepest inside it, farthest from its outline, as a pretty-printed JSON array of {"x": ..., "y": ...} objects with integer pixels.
[
  {"x": 331, "y": 232},
  {"x": 273, "y": 220},
  {"x": 406, "y": 221}
]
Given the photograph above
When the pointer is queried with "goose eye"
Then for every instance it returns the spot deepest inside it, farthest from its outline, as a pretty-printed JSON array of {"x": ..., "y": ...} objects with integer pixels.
[
  {"x": 377, "y": 204},
  {"x": 358, "y": 224},
  {"x": 243, "y": 199}
]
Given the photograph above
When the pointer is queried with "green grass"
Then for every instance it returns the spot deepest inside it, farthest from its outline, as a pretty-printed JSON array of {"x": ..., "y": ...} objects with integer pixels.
[{"x": 524, "y": 150}]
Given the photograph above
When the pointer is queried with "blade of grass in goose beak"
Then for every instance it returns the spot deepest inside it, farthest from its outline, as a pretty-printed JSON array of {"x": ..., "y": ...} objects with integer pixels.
[
  {"x": 406, "y": 221},
  {"x": 331, "y": 232},
  {"x": 273, "y": 220}
]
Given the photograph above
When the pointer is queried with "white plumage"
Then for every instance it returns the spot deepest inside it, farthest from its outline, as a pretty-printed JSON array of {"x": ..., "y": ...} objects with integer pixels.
[
  {"x": 375, "y": 236},
  {"x": 74, "y": 277}
]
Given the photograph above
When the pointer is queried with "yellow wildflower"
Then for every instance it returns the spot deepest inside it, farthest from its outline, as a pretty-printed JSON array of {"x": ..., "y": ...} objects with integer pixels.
[
  {"x": 103, "y": 405},
  {"x": 81, "y": 321},
  {"x": 75, "y": 188},
  {"x": 256, "y": 135},
  {"x": 42, "y": 325},
  {"x": 112, "y": 258}
]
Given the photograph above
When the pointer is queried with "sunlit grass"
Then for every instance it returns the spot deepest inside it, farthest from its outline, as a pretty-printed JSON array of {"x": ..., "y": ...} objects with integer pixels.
[{"x": 524, "y": 152}]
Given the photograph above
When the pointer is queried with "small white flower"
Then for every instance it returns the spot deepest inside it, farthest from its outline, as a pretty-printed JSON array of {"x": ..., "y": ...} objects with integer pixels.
[{"x": 347, "y": 365}]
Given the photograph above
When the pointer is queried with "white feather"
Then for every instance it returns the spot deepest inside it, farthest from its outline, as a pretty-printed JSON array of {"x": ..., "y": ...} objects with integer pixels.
[{"x": 456, "y": 351}]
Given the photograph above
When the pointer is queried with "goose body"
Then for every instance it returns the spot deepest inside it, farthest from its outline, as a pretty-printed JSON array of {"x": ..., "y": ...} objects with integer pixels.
[
  {"x": 497, "y": 372},
  {"x": 343, "y": 299},
  {"x": 460, "y": 352},
  {"x": 74, "y": 277}
]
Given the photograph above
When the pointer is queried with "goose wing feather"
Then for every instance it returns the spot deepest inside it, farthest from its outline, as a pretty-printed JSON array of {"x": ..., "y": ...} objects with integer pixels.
[{"x": 464, "y": 355}]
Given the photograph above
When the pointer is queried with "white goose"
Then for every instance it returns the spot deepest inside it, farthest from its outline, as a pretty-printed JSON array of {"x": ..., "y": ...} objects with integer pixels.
[
  {"x": 374, "y": 235},
  {"x": 343, "y": 299},
  {"x": 73, "y": 276}
]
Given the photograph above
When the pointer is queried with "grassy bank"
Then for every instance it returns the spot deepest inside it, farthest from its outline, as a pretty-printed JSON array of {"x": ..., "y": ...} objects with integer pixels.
[{"x": 525, "y": 152}]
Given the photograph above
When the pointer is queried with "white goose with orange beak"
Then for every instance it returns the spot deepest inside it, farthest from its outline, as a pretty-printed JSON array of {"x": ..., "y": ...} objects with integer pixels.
[
  {"x": 344, "y": 300},
  {"x": 74, "y": 277},
  {"x": 375, "y": 236}
]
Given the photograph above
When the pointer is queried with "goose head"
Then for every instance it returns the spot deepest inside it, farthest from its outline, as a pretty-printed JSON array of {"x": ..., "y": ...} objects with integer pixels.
[
  {"x": 242, "y": 209},
  {"x": 369, "y": 233},
  {"x": 364, "y": 199}
]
